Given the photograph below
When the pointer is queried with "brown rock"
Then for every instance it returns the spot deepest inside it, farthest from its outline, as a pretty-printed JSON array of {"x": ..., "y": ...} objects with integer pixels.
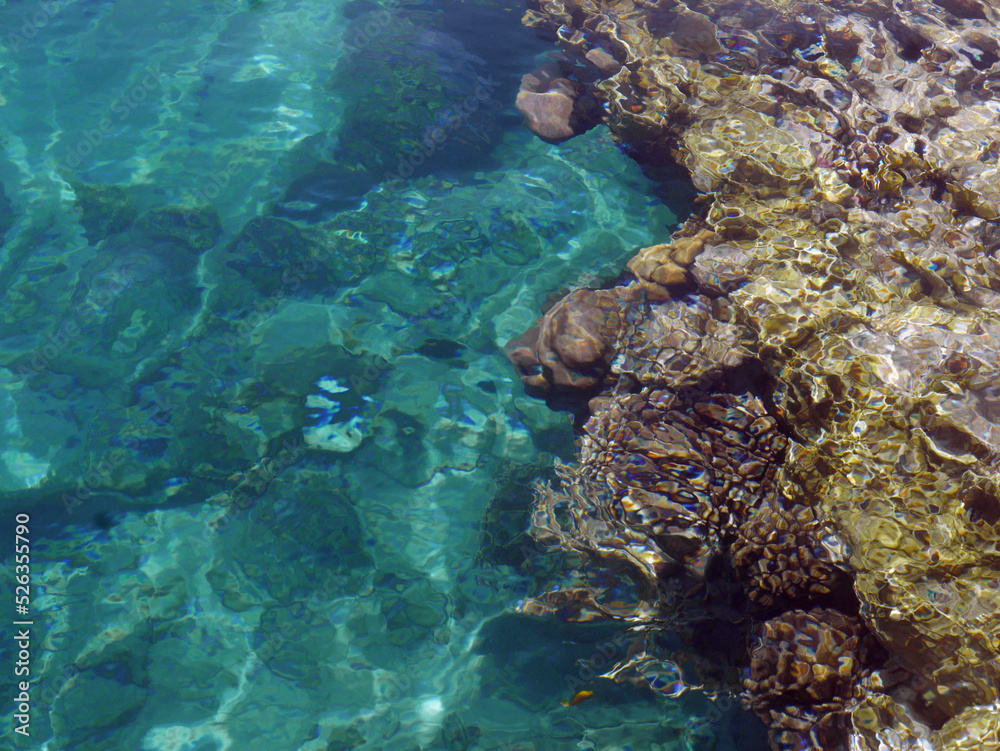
[
  {"x": 660, "y": 267},
  {"x": 521, "y": 352},
  {"x": 603, "y": 61},
  {"x": 686, "y": 249},
  {"x": 804, "y": 671},
  {"x": 555, "y": 108},
  {"x": 696, "y": 31},
  {"x": 548, "y": 114},
  {"x": 779, "y": 553},
  {"x": 668, "y": 274},
  {"x": 570, "y": 348}
]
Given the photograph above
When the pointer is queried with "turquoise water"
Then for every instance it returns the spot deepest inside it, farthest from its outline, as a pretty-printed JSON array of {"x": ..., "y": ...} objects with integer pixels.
[{"x": 252, "y": 392}]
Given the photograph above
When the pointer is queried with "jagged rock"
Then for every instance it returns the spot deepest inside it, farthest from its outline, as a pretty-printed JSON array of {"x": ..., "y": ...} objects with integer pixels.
[{"x": 662, "y": 267}]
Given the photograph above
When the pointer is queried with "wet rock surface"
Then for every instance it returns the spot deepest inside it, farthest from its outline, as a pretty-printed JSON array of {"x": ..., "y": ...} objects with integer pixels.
[
  {"x": 570, "y": 348},
  {"x": 555, "y": 108},
  {"x": 840, "y": 283}
]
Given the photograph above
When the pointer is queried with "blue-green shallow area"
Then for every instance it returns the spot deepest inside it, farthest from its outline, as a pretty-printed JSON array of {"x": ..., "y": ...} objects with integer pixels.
[{"x": 252, "y": 393}]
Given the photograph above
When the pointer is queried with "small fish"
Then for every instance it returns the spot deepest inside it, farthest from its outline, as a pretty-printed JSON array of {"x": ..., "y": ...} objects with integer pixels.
[{"x": 580, "y": 698}]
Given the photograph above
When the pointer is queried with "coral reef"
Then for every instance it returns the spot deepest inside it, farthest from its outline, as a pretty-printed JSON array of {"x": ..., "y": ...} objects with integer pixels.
[
  {"x": 846, "y": 248},
  {"x": 804, "y": 669},
  {"x": 784, "y": 553}
]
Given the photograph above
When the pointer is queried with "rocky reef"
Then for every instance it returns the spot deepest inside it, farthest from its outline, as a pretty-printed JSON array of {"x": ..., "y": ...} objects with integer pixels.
[{"x": 792, "y": 401}]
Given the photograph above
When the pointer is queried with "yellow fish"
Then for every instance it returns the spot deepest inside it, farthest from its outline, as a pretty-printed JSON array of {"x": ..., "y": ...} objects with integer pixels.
[{"x": 581, "y": 696}]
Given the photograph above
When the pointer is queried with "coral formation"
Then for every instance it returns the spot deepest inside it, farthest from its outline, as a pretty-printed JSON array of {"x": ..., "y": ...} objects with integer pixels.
[
  {"x": 846, "y": 248},
  {"x": 804, "y": 669},
  {"x": 786, "y": 553}
]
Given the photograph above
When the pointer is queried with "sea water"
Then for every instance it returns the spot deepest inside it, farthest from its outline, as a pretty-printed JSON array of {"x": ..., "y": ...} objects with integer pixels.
[{"x": 260, "y": 258}]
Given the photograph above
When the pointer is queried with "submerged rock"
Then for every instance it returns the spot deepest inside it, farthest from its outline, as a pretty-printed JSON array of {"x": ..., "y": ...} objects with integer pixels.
[
  {"x": 548, "y": 110},
  {"x": 103, "y": 209},
  {"x": 555, "y": 108},
  {"x": 570, "y": 348},
  {"x": 805, "y": 670},
  {"x": 415, "y": 100}
]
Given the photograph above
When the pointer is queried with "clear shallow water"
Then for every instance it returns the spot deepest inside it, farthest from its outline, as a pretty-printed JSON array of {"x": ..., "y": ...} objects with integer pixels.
[{"x": 252, "y": 392}]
